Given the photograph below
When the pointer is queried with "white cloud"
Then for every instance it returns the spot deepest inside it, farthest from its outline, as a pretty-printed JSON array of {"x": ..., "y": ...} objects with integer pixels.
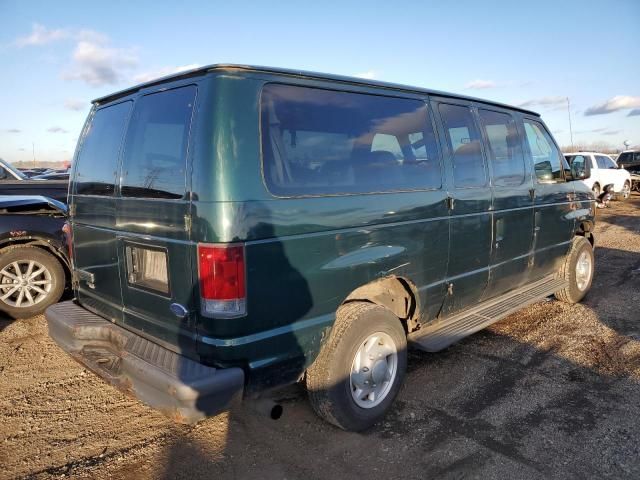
[
  {"x": 41, "y": 35},
  {"x": 619, "y": 102},
  {"x": 57, "y": 129},
  {"x": 75, "y": 104},
  {"x": 13, "y": 130},
  {"x": 94, "y": 60},
  {"x": 163, "y": 72},
  {"x": 480, "y": 84},
  {"x": 368, "y": 75},
  {"x": 544, "y": 101},
  {"x": 99, "y": 64}
]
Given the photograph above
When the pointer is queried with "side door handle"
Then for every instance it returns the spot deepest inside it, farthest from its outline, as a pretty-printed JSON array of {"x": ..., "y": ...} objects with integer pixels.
[
  {"x": 537, "y": 221},
  {"x": 499, "y": 232},
  {"x": 451, "y": 202},
  {"x": 532, "y": 193}
]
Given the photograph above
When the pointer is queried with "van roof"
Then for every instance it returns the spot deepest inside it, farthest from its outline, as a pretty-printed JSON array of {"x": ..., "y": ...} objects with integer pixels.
[{"x": 300, "y": 74}]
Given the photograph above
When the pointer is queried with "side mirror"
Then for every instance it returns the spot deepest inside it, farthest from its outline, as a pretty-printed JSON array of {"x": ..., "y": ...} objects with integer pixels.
[{"x": 579, "y": 173}]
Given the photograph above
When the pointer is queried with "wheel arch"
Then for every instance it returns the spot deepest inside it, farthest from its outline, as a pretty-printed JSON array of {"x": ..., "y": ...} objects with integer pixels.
[
  {"x": 45, "y": 244},
  {"x": 585, "y": 229},
  {"x": 398, "y": 294}
]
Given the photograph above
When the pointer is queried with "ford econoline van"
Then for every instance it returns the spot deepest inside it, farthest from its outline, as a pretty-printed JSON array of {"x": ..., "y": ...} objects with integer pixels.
[{"x": 240, "y": 228}]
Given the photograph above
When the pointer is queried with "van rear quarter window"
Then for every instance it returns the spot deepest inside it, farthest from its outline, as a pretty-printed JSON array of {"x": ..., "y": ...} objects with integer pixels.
[
  {"x": 97, "y": 162},
  {"x": 323, "y": 142},
  {"x": 154, "y": 159}
]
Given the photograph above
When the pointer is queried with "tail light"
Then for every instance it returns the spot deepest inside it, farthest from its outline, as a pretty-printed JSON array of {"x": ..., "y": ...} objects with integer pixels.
[
  {"x": 221, "y": 271},
  {"x": 68, "y": 239}
]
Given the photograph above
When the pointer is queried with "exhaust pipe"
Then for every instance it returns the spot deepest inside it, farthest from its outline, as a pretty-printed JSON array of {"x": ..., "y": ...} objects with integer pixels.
[{"x": 267, "y": 407}]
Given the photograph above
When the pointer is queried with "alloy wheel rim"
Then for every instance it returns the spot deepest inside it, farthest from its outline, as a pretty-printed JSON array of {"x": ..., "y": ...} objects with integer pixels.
[
  {"x": 373, "y": 370},
  {"x": 24, "y": 283},
  {"x": 584, "y": 269}
]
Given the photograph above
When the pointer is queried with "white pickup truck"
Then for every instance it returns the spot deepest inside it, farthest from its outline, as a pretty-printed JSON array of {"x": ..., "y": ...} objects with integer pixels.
[{"x": 596, "y": 170}]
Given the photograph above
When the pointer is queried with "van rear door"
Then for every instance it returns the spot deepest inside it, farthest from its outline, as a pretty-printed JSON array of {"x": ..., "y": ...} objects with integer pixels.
[
  {"x": 152, "y": 218},
  {"x": 92, "y": 211}
]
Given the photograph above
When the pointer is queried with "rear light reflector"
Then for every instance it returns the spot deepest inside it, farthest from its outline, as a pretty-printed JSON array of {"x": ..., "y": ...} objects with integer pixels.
[{"x": 221, "y": 270}]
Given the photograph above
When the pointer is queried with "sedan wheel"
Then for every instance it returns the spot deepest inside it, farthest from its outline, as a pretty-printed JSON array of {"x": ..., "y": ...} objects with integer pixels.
[
  {"x": 31, "y": 279},
  {"x": 24, "y": 283}
]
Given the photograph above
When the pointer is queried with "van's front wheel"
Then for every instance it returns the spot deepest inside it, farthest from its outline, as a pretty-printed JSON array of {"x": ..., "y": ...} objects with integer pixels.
[
  {"x": 578, "y": 269},
  {"x": 360, "y": 369}
]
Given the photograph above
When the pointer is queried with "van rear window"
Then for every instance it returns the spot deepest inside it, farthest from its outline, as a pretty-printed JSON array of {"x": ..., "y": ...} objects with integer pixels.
[
  {"x": 154, "y": 159},
  {"x": 323, "y": 142},
  {"x": 97, "y": 163}
]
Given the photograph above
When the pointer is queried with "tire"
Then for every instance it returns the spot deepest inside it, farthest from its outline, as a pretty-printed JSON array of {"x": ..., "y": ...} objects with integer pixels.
[
  {"x": 596, "y": 189},
  {"x": 581, "y": 250},
  {"x": 626, "y": 192},
  {"x": 329, "y": 378},
  {"x": 51, "y": 281}
]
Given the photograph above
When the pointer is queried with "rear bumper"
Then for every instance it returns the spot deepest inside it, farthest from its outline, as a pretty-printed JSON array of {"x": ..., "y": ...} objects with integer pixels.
[{"x": 179, "y": 387}]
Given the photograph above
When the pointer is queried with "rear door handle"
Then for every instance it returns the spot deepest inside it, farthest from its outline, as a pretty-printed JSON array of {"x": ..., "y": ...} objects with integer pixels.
[{"x": 532, "y": 193}]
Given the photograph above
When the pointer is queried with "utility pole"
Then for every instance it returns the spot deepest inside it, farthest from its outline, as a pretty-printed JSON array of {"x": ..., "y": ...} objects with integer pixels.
[
  {"x": 570, "y": 128},
  {"x": 33, "y": 150}
]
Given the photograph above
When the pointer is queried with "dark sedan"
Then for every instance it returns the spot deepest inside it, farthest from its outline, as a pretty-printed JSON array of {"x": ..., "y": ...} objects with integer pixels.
[{"x": 34, "y": 265}]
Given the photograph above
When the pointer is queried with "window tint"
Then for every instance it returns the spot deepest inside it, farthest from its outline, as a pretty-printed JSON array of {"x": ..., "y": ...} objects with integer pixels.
[
  {"x": 327, "y": 142},
  {"x": 605, "y": 162},
  {"x": 546, "y": 156},
  {"x": 154, "y": 159},
  {"x": 97, "y": 162},
  {"x": 464, "y": 143},
  {"x": 504, "y": 147}
]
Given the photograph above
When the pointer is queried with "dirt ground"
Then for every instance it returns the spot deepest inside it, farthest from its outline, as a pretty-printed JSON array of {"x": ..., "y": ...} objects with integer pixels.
[{"x": 550, "y": 392}]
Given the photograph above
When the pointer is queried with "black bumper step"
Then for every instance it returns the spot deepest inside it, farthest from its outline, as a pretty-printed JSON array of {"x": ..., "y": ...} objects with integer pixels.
[{"x": 179, "y": 387}]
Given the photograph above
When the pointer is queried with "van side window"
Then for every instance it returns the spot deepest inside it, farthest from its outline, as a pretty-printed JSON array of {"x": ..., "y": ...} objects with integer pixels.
[
  {"x": 546, "y": 156},
  {"x": 154, "y": 160},
  {"x": 504, "y": 147},
  {"x": 97, "y": 163},
  {"x": 463, "y": 139},
  {"x": 323, "y": 142}
]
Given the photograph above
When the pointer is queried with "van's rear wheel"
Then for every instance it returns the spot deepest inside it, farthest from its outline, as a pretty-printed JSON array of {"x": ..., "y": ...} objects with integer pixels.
[
  {"x": 360, "y": 369},
  {"x": 578, "y": 270}
]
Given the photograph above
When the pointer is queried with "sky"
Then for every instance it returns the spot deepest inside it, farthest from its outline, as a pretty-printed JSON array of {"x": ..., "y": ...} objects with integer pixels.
[{"x": 56, "y": 57}]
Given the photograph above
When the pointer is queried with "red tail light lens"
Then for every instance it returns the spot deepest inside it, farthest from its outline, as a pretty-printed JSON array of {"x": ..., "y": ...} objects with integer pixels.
[{"x": 222, "y": 280}]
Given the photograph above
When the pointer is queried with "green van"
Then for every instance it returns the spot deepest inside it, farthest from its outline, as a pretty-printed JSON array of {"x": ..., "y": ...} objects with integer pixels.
[{"x": 239, "y": 228}]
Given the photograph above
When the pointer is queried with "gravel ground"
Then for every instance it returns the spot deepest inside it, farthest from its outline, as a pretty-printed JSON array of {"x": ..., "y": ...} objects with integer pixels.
[{"x": 550, "y": 392}]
